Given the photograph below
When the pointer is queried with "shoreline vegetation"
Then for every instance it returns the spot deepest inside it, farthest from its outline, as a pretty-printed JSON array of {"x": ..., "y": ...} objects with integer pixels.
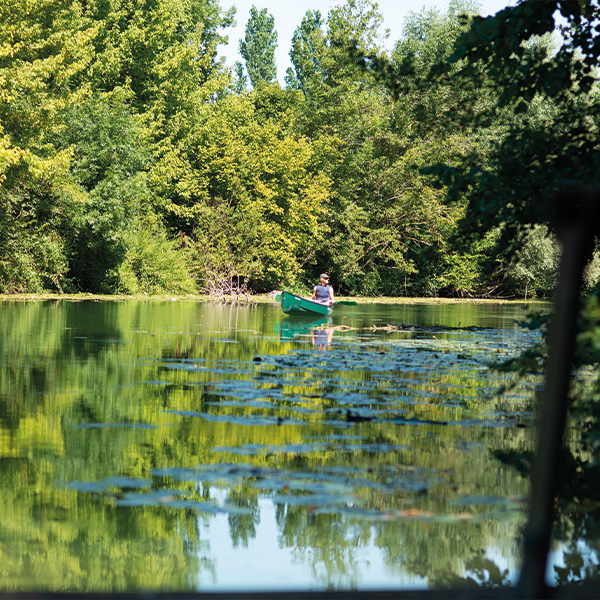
[
  {"x": 255, "y": 299},
  {"x": 133, "y": 161}
]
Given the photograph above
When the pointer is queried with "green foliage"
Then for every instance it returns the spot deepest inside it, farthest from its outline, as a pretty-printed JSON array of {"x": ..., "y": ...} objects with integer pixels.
[
  {"x": 463, "y": 270},
  {"x": 535, "y": 267},
  {"x": 111, "y": 111},
  {"x": 431, "y": 97},
  {"x": 551, "y": 138},
  {"x": 258, "y": 47},
  {"x": 85, "y": 94},
  {"x": 550, "y": 142},
  {"x": 110, "y": 154},
  {"x": 108, "y": 141},
  {"x": 391, "y": 227},
  {"x": 307, "y": 47},
  {"x": 153, "y": 264},
  {"x": 164, "y": 51},
  {"x": 44, "y": 46},
  {"x": 33, "y": 256},
  {"x": 524, "y": 70},
  {"x": 241, "y": 81},
  {"x": 253, "y": 197}
]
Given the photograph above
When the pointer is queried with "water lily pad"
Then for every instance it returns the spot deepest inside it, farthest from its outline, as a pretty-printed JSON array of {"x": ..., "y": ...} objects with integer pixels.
[
  {"x": 488, "y": 501},
  {"x": 313, "y": 499},
  {"x": 106, "y": 485},
  {"x": 251, "y": 420},
  {"x": 173, "y": 500}
]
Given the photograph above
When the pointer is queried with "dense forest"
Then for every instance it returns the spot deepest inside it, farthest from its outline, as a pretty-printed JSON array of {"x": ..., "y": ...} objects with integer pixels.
[{"x": 134, "y": 161}]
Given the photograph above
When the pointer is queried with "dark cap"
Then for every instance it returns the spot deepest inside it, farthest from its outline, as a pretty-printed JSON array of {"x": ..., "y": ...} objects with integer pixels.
[{"x": 323, "y": 276}]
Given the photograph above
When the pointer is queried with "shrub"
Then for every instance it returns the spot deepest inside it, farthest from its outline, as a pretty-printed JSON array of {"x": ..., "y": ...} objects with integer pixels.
[{"x": 154, "y": 264}]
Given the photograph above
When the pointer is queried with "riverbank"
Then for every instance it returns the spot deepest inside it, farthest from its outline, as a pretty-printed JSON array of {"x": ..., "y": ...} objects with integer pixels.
[{"x": 256, "y": 299}]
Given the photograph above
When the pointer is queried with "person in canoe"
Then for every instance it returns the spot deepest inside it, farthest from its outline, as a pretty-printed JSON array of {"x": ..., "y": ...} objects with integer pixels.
[{"x": 323, "y": 293}]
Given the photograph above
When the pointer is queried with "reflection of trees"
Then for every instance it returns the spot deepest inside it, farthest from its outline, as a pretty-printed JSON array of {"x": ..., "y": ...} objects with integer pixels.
[
  {"x": 242, "y": 527},
  {"x": 444, "y": 553},
  {"x": 325, "y": 542},
  {"x": 55, "y": 539},
  {"x": 576, "y": 533},
  {"x": 481, "y": 572},
  {"x": 84, "y": 542}
]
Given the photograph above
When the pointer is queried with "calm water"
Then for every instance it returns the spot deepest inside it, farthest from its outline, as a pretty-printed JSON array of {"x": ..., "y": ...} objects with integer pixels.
[{"x": 188, "y": 446}]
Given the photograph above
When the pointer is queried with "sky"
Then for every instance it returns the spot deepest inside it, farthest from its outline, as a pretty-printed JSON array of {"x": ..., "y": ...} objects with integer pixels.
[{"x": 288, "y": 15}]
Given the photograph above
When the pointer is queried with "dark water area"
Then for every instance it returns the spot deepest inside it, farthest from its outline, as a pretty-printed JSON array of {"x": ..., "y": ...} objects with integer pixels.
[{"x": 194, "y": 446}]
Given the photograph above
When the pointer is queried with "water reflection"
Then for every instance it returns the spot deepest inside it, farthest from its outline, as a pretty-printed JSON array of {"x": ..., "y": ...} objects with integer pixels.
[
  {"x": 322, "y": 337},
  {"x": 134, "y": 434}
]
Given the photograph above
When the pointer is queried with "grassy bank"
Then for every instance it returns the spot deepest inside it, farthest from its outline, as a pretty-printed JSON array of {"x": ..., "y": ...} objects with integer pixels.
[{"x": 255, "y": 299}]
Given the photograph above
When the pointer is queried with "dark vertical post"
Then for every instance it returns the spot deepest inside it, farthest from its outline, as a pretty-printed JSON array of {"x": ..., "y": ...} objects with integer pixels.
[{"x": 577, "y": 215}]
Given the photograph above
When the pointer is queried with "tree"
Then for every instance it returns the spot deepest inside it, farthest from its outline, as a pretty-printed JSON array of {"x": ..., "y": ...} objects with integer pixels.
[
  {"x": 241, "y": 81},
  {"x": 527, "y": 182},
  {"x": 91, "y": 95},
  {"x": 44, "y": 49},
  {"x": 435, "y": 108},
  {"x": 164, "y": 51},
  {"x": 390, "y": 228},
  {"x": 110, "y": 154},
  {"x": 258, "y": 47},
  {"x": 553, "y": 137},
  {"x": 307, "y": 48},
  {"x": 252, "y": 195}
]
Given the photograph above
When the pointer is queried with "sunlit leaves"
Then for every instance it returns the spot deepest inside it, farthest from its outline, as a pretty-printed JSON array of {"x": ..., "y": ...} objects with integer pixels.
[
  {"x": 245, "y": 188},
  {"x": 165, "y": 53}
]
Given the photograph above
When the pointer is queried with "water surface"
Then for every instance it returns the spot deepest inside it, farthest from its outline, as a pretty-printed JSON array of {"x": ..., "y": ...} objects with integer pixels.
[{"x": 195, "y": 446}]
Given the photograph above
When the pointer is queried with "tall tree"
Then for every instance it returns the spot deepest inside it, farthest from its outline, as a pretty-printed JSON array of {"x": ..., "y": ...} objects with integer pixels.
[
  {"x": 44, "y": 48},
  {"x": 165, "y": 51},
  {"x": 240, "y": 81},
  {"x": 354, "y": 24},
  {"x": 307, "y": 47},
  {"x": 258, "y": 47}
]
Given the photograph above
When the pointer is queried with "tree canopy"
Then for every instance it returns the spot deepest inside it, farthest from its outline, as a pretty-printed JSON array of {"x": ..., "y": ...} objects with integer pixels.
[
  {"x": 122, "y": 134},
  {"x": 552, "y": 139}
]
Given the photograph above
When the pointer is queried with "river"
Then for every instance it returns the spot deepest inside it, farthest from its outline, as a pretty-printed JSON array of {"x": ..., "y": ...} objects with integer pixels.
[{"x": 180, "y": 445}]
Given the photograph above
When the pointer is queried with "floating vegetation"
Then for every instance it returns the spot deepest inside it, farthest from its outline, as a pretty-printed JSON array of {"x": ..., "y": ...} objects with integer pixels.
[
  {"x": 107, "y": 485},
  {"x": 188, "y": 436},
  {"x": 311, "y": 447}
]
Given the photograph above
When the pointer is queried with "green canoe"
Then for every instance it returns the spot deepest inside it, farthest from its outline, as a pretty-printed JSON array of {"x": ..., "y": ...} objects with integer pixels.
[{"x": 296, "y": 305}]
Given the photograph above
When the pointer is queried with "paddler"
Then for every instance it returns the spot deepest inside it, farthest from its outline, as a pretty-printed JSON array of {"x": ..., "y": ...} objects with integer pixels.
[{"x": 323, "y": 293}]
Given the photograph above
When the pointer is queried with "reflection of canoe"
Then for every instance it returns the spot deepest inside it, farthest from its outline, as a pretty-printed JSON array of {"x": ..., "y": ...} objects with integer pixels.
[
  {"x": 296, "y": 305},
  {"x": 293, "y": 326}
]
